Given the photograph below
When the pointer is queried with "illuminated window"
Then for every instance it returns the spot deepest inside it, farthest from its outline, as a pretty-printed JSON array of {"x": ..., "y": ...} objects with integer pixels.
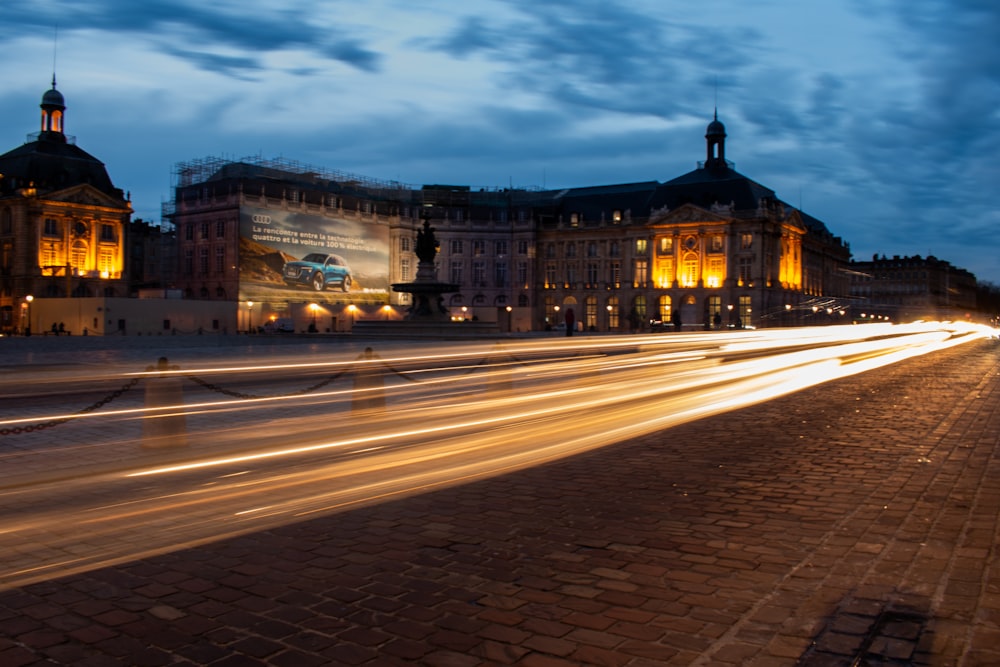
[
  {"x": 106, "y": 261},
  {"x": 404, "y": 269},
  {"x": 746, "y": 241},
  {"x": 404, "y": 244},
  {"x": 616, "y": 273},
  {"x": 743, "y": 266},
  {"x": 641, "y": 271},
  {"x": 640, "y": 307},
  {"x": 590, "y": 312},
  {"x": 665, "y": 308},
  {"x": 640, "y": 246},
  {"x": 715, "y": 244},
  {"x": 613, "y": 314},
  {"x": 51, "y": 227},
  {"x": 616, "y": 217},
  {"x": 666, "y": 246},
  {"x": 689, "y": 271},
  {"x": 78, "y": 256},
  {"x": 550, "y": 274},
  {"x": 574, "y": 219},
  {"x": 716, "y": 272}
]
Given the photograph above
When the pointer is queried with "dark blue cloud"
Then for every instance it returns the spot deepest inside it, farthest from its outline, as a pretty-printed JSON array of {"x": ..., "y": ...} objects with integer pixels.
[{"x": 199, "y": 27}]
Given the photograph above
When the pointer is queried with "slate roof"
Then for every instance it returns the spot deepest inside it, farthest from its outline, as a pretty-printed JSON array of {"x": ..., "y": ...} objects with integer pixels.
[{"x": 51, "y": 165}]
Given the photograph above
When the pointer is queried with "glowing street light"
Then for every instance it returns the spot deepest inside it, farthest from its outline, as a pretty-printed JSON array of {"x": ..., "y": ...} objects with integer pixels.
[
  {"x": 249, "y": 317},
  {"x": 27, "y": 301},
  {"x": 350, "y": 309},
  {"x": 387, "y": 309},
  {"x": 313, "y": 307}
]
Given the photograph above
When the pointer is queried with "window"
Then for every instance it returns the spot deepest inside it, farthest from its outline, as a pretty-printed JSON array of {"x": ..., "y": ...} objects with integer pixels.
[
  {"x": 188, "y": 261},
  {"x": 614, "y": 249},
  {"x": 640, "y": 307},
  {"x": 640, "y": 246},
  {"x": 571, "y": 274},
  {"x": 220, "y": 229},
  {"x": 404, "y": 244},
  {"x": 6, "y": 224},
  {"x": 456, "y": 272},
  {"x": 501, "y": 274},
  {"x": 189, "y": 232},
  {"x": 108, "y": 233},
  {"x": 715, "y": 243},
  {"x": 522, "y": 247},
  {"x": 501, "y": 248},
  {"x": 456, "y": 247},
  {"x": 592, "y": 249},
  {"x": 743, "y": 266},
  {"x": 106, "y": 262},
  {"x": 613, "y": 313},
  {"x": 641, "y": 271},
  {"x": 479, "y": 273},
  {"x": 404, "y": 269},
  {"x": 220, "y": 259},
  {"x": 78, "y": 256},
  {"x": 665, "y": 310},
  {"x": 592, "y": 273},
  {"x": 550, "y": 251},
  {"x": 478, "y": 248},
  {"x": 574, "y": 219},
  {"x": 571, "y": 249},
  {"x": 51, "y": 227},
  {"x": 203, "y": 261},
  {"x": 590, "y": 313},
  {"x": 746, "y": 241},
  {"x": 522, "y": 274},
  {"x": 689, "y": 270},
  {"x": 616, "y": 217},
  {"x": 616, "y": 273},
  {"x": 204, "y": 230},
  {"x": 550, "y": 274},
  {"x": 666, "y": 246}
]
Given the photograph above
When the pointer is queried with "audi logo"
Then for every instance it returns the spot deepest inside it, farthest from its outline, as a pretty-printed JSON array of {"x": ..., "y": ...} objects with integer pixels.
[{"x": 261, "y": 219}]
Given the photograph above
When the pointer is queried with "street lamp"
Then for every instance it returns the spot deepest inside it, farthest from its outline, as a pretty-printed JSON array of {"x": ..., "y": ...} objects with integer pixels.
[
  {"x": 350, "y": 309},
  {"x": 313, "y": 307},
  {"x": 387, "y": 309},
  {"x": 28, "y": 299},
  {"x": 249, "y": 317}
]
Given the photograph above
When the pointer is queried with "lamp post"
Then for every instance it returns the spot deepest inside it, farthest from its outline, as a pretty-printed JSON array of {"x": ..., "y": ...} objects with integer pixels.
[
  {"x": 609, "y": 308},
  {"x": 510, "y": 323},
  {"x": 27, "y": 300},
  {"x": 249, "y": 317},
  {"x": 387, "y": 309},
  {"x": 350, "y": 309}
]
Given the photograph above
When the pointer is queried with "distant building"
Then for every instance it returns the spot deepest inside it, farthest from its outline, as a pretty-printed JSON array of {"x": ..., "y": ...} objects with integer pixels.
[
  {"x": 903, "y": 289},
  {"x": 711, "y": 247},
  {"x": 62, "y": 222}
]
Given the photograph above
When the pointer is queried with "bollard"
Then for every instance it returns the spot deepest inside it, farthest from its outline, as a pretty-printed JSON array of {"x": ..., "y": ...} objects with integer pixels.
[
  {"x": 499, "y": 382},
  {"x": 369, "y": 387},
  {"x": 161, "y": 428}
]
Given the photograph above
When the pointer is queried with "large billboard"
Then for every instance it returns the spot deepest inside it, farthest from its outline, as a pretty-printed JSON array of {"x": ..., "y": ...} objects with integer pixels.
[{"x": 293, "y": 256}]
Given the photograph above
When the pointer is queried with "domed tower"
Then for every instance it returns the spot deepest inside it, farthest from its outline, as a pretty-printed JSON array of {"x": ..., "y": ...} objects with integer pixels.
[
  {"x": 53, "y": 110},
  {"x": 715, "y": 140}
]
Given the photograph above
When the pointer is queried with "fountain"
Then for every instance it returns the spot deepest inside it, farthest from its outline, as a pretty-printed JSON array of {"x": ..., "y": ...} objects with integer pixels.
[{"x": 427, "y": 315}]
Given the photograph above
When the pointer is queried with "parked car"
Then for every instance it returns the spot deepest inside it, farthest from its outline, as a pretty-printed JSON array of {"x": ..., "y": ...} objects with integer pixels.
[{"x": 318, "y": 270}]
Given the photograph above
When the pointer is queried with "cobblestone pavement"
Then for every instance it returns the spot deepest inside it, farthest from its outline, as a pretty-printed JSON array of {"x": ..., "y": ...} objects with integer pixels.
[{"x": 855, "y": 521}]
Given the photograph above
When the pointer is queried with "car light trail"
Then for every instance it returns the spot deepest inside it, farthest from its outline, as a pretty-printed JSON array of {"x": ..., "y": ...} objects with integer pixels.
[{"x": 522, "y": 405}]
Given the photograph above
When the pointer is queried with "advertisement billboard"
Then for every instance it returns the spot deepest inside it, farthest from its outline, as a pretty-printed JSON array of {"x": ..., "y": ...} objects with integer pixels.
[{"x": 294, "y": 256}]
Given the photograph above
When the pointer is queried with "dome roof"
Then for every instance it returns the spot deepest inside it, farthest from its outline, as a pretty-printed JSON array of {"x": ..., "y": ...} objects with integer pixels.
[
  {"x": 715, "y": 128},
  {"x": 53, "y": 97}
]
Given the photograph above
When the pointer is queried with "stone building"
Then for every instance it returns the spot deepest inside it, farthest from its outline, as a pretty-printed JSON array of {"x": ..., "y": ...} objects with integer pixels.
[
  {"x": 62, "y": 222},
  {"x": 903, "y": 289},
  {"x": 710, "y": 248}
]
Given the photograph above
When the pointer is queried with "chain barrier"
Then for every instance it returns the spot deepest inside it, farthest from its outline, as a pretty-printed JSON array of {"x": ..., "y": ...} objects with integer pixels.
[
  {"x": 367, "y": 355},
  {"x": 17, "y": 430}
]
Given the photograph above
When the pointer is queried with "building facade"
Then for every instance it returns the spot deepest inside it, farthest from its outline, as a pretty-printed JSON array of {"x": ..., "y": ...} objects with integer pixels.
[
  {"x": 902, "y": 289},
  {"x": 62, "y": 222},
  {"x": 711, "y": 248}
]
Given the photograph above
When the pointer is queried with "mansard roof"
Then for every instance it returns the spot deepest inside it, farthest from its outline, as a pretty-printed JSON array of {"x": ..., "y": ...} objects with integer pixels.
[
  {"x": 49, "y": 166},
  {"x": 705, "y": 186}
]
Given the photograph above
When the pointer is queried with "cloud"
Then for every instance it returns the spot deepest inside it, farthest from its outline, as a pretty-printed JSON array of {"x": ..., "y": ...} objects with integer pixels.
[{"x": 196, "y": 31}]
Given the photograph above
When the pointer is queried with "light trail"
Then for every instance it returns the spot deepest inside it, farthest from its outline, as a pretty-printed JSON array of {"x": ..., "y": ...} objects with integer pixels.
[{"x": 559, "y": 399}]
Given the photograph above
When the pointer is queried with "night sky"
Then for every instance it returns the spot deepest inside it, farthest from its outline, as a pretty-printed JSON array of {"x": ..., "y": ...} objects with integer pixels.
[{"x": 881, "y": 117}]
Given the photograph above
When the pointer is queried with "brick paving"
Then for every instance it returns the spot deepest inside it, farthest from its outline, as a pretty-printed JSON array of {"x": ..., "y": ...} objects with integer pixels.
[{"x": 856, "y": 520}]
